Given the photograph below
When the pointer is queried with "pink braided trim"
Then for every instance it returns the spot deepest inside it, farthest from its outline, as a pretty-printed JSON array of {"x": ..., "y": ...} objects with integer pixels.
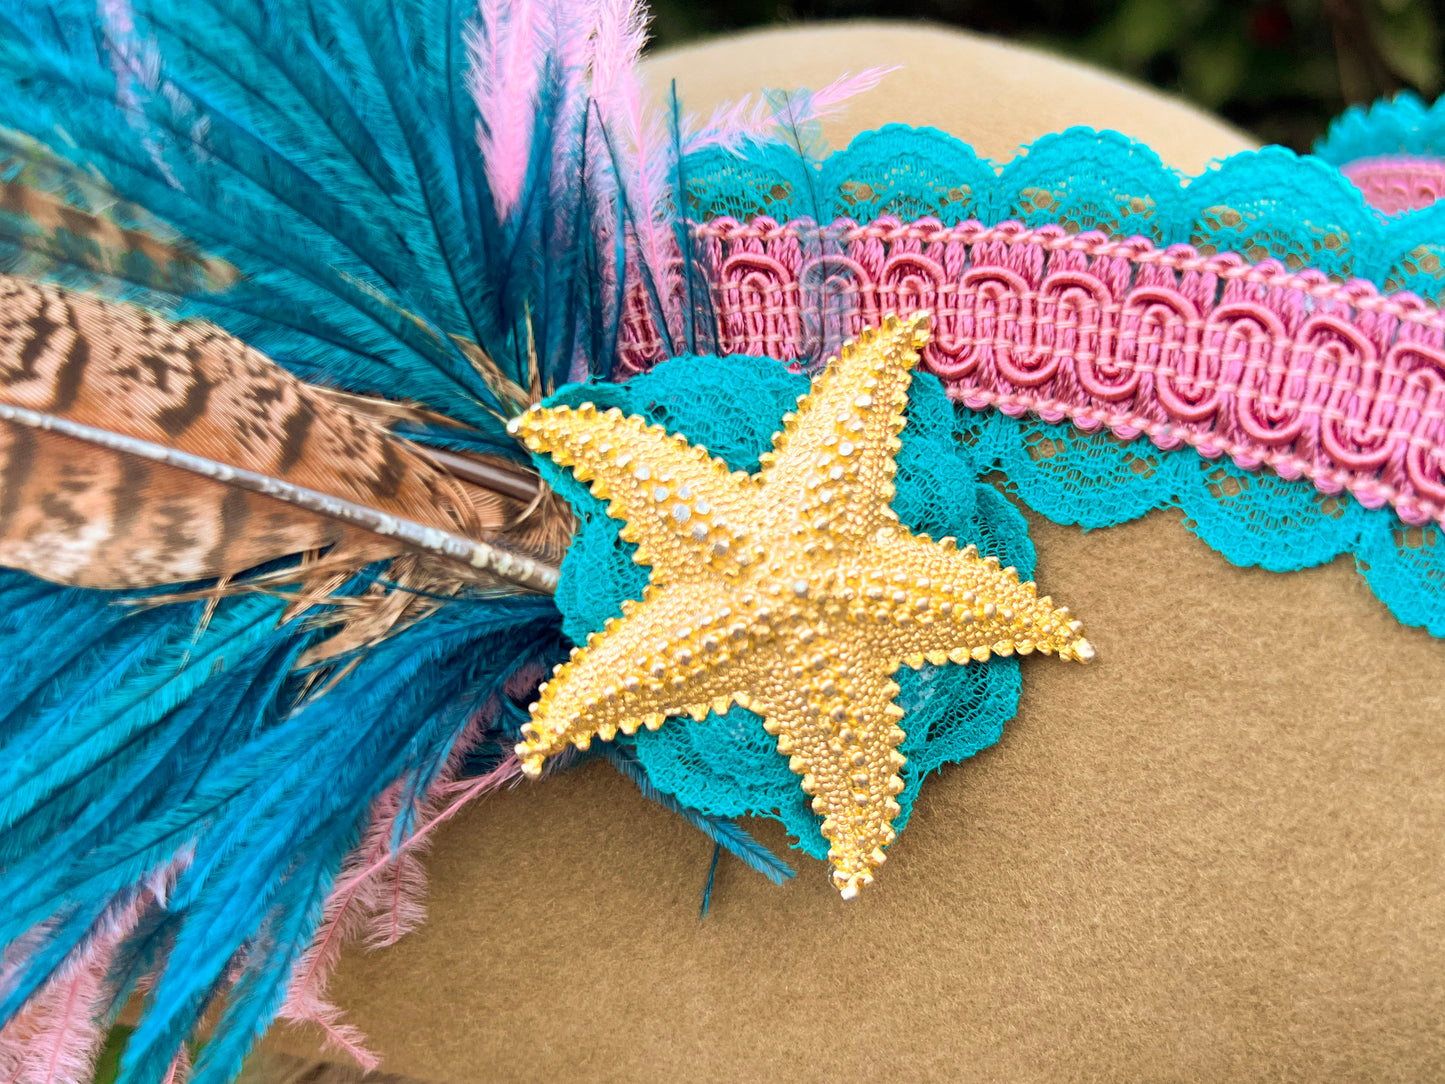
[
  {"x": 1399, "y": 182},
  {"x": 1329, "y": 381}
]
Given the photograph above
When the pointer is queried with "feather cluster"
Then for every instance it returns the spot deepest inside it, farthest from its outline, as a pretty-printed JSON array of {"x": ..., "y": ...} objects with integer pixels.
[{"x": 273, "y": 277}]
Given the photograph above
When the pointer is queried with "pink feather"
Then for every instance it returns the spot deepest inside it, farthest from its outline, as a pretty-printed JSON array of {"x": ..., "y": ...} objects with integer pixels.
[
  {"x": 572, "y": 27},
  {"x": 756, "y": 119},
  {"x": 180, "y": 1070},
  {"x": 507, "y": 47},
  {"x": 401, "y": 900},
  {"x": 118, "y": 16},
  {"x": 638, "y": 151},
  {"x": 352, "y": 900},
  {"x": 56, "y": 1038},
  {"x": 462, "y": 793},
  {"x": 378, "y": 898}
]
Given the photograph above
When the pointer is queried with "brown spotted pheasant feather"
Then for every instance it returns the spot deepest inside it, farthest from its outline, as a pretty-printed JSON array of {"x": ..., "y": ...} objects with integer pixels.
[{"x": 73, "y": 512}]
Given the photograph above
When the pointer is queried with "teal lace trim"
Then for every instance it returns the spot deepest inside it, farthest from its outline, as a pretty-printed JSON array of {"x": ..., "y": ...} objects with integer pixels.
[
  {"x": 1404, "y": 124},
  {"x": 1298, "y": 209},
  {"x": 1252, "y": 518},
  {"x": 728, "y": 765}
]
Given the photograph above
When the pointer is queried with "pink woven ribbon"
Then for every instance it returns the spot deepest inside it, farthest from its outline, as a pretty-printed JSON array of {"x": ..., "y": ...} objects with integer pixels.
[
  {"x": 1398, "y": 183},
  {"x": 1334, "y": 382}
]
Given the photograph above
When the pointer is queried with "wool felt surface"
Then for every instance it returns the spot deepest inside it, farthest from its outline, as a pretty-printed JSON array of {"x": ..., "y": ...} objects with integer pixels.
[{"x": 1213, "y": 855}]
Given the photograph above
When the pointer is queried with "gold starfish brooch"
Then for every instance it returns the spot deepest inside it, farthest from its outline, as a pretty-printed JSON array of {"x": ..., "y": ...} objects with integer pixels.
[{"x": 793, "y": 592}]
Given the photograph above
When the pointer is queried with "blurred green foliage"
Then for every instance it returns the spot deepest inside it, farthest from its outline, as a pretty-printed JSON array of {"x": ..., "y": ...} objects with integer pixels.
[
  {"x": 107, "y": 1065},
  {"x": 1278, "y": 68}
]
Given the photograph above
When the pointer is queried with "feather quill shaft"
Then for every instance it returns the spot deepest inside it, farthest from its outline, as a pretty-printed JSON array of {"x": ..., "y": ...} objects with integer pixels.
[
  {"x": 514, "y": 568},
  {"x": 497, "y": 476}
]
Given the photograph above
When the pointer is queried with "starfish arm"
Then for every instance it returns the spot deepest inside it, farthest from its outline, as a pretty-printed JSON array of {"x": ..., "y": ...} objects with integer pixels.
[
  {"x": 679, "y": 650},
  {"x": 920, "y": 601},
  {"x": 833, "y": 461},
  {"x": 795, "y": 593},
  {"x": 838, "y": 725},
  {"x": 684, "y": 508}
]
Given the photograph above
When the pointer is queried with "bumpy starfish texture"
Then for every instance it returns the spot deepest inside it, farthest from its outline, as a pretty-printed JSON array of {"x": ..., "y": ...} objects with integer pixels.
[{"x": 793, "y": 592}]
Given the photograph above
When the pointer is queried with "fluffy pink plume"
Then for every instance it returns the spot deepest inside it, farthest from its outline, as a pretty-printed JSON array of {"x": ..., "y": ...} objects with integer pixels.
[
  {"x": 637, "y": 152},
  {"x": 378, "y": 898},
  {"x": 759, "y": 119},
  {"x": 180, "y": 1070},
  {"x": 56, "y": 1038},
  {"x": 118, "y": 16},
  {"x": 573, "y": 25},
  {"x": 509, "y": 47},
  {"x": 348, "y": 911},
  {"x": 506, "y": 46}
]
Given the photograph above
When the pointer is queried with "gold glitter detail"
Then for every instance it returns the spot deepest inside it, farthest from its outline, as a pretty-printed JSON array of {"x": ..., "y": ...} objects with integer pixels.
[{"x": 793, "y": 592}]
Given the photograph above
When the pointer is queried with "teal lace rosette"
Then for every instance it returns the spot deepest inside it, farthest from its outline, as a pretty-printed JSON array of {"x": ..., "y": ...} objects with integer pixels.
[{"x": 727, "y": 765}]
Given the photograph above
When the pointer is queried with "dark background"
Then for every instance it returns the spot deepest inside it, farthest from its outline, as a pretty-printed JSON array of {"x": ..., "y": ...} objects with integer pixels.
[{"x": 1278, "y": 68}]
